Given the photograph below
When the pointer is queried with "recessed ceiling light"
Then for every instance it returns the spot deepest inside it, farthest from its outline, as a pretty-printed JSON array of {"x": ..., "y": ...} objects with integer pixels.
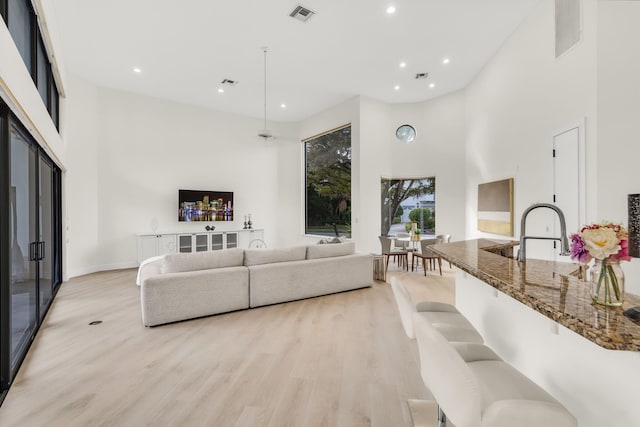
[
  {"x": 137, "y": 70},
  {"x": 432, "y": 85},
  {"x": 283, "y": 105},
  {"x": 220, "y": 90},
  {"x": 391, "y": 10},
  {"x": 403, "y": 64},
  {"x": 396, "y": 87},
  {"x": 446, "y": 61}
]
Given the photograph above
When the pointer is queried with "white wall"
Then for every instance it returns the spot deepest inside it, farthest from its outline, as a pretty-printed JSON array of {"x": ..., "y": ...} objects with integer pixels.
[
  {"x": 522, "y": 96},
  {"x": 130, "y": 154},
  {"x": 371, "y": 160},
  {"x": 439, "y": 150},
  {"x": 80, "y": 181},
  {"x": 618, "y": 151}
]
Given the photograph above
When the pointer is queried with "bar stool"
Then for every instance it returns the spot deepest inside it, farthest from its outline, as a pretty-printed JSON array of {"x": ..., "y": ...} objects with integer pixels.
[
  {"x": 475, "y": 388},
  {"x": 444, "y": 317}
]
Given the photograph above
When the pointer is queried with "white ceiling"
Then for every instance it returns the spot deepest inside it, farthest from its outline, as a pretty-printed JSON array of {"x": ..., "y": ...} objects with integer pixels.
[{"x": 351, "y": 47}]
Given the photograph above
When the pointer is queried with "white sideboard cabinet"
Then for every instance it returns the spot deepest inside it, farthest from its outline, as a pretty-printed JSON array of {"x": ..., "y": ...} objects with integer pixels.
[
  {"x": 247, "y": 236},
  {"x": 150, "y": 245}
]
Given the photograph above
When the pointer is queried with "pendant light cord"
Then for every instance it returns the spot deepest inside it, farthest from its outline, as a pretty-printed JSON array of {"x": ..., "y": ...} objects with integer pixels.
[{"x": 265, "y": 88}]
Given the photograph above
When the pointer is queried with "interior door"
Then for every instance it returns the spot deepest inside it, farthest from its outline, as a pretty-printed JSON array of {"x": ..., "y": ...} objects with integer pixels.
[{"x": 569, "y": 190}]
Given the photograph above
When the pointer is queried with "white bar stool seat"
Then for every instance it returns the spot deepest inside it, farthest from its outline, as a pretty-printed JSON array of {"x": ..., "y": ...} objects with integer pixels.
[
  {"x": 475, "y": 388},
  {"x": 444, "y": 317}
]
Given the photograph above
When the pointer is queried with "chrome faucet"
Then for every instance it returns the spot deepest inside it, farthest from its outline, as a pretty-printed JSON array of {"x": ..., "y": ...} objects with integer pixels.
[{"x": 564, "y": 242}]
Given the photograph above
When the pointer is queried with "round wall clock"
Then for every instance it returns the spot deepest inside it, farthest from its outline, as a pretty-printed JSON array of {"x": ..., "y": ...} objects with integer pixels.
[{"x": 406, "y": 133}]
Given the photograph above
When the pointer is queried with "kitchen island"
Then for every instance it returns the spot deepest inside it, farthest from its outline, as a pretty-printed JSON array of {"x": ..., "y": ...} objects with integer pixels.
[{"x": 539, "y": 317}]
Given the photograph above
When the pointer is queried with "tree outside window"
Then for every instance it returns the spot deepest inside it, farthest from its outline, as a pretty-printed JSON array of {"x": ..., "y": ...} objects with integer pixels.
[
  {"x": 405, "y": 201},
  {"x": 328, "y": 183}
]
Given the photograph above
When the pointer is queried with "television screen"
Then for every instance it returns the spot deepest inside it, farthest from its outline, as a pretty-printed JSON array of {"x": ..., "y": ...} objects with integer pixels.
[{"x": 205, "y": 205}]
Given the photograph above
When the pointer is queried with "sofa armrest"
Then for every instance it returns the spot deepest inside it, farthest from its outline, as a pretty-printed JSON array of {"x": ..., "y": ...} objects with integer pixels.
[{"x": 149, "y": 267}]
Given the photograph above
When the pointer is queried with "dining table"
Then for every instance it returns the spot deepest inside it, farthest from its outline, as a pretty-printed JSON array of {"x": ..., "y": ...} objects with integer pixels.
[{"x": 414, "y": 244}]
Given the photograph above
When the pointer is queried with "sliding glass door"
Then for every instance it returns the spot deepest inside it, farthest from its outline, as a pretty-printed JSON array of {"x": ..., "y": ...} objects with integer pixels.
[
  {"x": 46, "y": 240},
  {"x": 30, "y": 236},
  {"x": 24, "y": 271}
]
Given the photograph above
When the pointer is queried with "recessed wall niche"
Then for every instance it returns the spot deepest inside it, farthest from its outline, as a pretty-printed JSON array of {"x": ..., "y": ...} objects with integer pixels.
[{"x": 567, "y": 25}]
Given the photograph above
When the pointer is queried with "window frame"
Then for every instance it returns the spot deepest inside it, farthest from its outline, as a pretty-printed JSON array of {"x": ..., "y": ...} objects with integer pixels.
[
  {"x": 37, "y": 39},
  {"x": 3, "y": 10},
  {"x": 42, "y": 48},
  {"x": 306, "y": 230}
]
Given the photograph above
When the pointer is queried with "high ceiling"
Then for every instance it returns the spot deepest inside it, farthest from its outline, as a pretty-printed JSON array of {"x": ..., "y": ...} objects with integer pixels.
[{"x": 350, "y": 47}]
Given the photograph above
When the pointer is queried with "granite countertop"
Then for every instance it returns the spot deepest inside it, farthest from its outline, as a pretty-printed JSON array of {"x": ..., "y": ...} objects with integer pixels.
[{"x": 551, "y": 288}]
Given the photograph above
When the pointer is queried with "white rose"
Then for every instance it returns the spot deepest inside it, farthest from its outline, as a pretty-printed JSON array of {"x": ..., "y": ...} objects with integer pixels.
[{"x": 601, "y": 242}]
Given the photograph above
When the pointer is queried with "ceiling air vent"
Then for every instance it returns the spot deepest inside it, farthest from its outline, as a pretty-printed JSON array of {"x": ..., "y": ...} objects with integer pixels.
[
  {"x": 301, "y": 13},
  {"x": 229, "y": 82},
  {"x": 420, "y": 76}
]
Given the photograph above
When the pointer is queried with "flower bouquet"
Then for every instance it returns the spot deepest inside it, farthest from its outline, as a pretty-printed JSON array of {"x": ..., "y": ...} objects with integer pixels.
[{"x": 607, "y": 244}]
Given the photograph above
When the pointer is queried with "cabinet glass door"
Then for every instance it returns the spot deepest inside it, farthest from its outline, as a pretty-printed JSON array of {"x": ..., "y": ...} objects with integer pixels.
[
  {"x": 23, "y": 286},
  {"x": 185, "y": 243},
  {"x": 217, "y": 242},
  {"x": 201, "y": 242},
  {"x": 232, "y": 240}
]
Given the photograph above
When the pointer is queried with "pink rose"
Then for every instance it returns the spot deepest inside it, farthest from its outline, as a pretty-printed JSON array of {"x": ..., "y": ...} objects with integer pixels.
[{"x": 623, "y": 253}]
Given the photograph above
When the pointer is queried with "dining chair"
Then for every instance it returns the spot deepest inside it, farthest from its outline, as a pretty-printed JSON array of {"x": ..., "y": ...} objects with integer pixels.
[
  {"x": 398, "y": 255},
  {"x": 427, "y": 255},
  {"x": 399, "y": 244}
]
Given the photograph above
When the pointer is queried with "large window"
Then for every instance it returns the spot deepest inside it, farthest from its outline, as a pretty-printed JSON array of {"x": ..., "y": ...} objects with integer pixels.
[
  {"x": 23, "y": 27},
  {"x": 328, "y": 183},
  {"x": 20, "y": 20},
  {"x": 407, "y": 201}
]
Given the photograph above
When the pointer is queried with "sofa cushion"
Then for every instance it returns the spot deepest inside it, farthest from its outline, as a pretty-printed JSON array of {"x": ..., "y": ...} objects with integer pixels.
[
  {"x": 269, "y": 256},
  {"x": 177, "y": 262},
  {"x": 328, "y": 251}
]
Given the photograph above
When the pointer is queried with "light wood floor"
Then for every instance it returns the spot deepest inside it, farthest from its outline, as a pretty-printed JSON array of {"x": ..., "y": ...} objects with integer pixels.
[{"x": 337, "y": 360}]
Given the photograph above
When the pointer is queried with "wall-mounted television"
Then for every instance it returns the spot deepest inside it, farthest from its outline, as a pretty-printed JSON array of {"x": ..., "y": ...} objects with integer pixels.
[{"x": 195, "y": 205}]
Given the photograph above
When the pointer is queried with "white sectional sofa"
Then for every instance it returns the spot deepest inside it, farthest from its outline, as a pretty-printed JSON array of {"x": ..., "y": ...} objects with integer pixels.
[{"x": 184, "y": 286}]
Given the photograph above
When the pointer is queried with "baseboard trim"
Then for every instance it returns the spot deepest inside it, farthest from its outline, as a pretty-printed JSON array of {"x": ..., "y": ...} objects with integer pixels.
[{"x": 97, "y": 268}]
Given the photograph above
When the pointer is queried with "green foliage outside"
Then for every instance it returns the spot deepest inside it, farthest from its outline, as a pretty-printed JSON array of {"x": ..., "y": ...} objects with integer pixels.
[
  {"x": 328, "y": 183},
  {"x": 423, "y": 216}
]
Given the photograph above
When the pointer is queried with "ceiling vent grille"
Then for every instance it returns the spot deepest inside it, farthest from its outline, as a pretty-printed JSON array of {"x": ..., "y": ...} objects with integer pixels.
[
  {"x": 229, "y": 82},
  {"x": 420, "y": 76},
  {"x": 301, "y": 13}
]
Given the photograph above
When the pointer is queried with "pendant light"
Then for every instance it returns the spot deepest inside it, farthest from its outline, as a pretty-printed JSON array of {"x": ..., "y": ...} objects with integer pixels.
[{"x": 265, "y": 133}]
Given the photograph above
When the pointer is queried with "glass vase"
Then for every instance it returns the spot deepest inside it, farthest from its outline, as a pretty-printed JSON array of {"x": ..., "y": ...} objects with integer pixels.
[{"x": 607, "y": 282}]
